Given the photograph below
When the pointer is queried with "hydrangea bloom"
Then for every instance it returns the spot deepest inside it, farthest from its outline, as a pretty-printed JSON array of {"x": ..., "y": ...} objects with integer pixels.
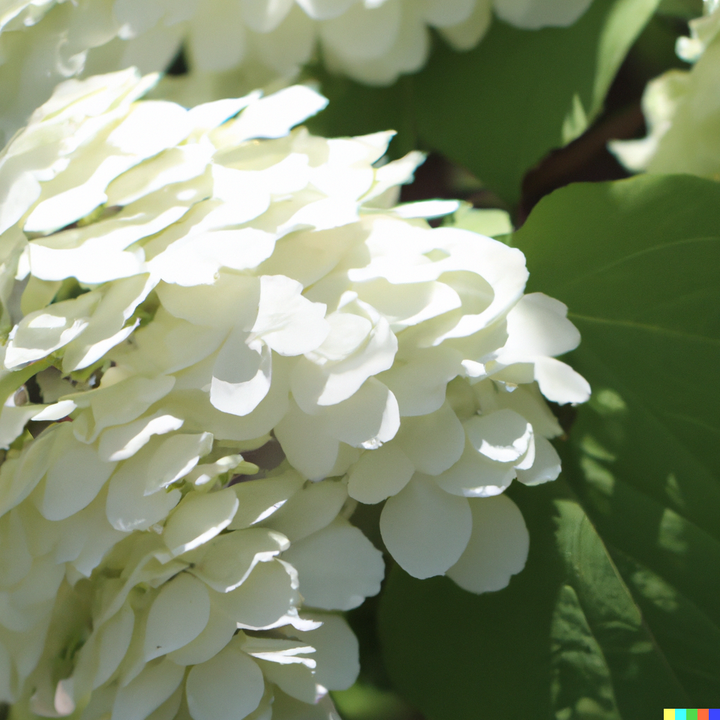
[
  {"x": 374, "y": 41},
  {"x": 681, "y": 110},
  {"x": 185, "y": 287}
]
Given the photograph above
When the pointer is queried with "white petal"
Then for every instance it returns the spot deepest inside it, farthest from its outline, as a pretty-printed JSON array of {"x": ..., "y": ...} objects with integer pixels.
[
  {"x": 502, "y": 436},
  {"x": 259, "y": 500},
  {"x": 307, "y": 446},
  {"x": 263, "y": 16},
  {"x": 154, "y": 685},
  {"x": 198, "y": 519},
  {"x": 409, "y": 303},
  {"x": 20, "y": 478},
  {"x": 73, "y": 480},
  {"x": 338, "y": 567},
  {"x": 367, "y": 419},
  {"x": 18, "y": 197},
  {"x": 447, "y": 12},
  {"x": 546, "y": 467},
  {"x": 347, "y": 333},
  {"x": 265, "y": 597},
  {"x": 216, "y": 635},
  {"x": 362, "y": 33},
  {"x": 560, "y": 383},
  {"x": 474, "y": 475},
  {"x": 230, "y": 300},
  {"x": 275, "y": 115},
  {"x": 295, "y": 679},
  {"x": 379, "y": 474},
  {"x": 286, "y": 321},
  {"x": 419, "y": 381},
  {"x": 218, "y": 41},
  {"x": 336, "y": 652},
  {"x": 227, "y": 687},
  {"x": 16, "y": 561},
  {"x": 113, "y": 641},
  {"x": 177, "y": 616},
  {"x": 120, "y": 403},
  {"x": 45, "y": 331},
  {"x": 230, "y": 558},
  {"x": 285, "y": 707},
  {"x": 498, "y": 546},
  {"x": 128, "y": 508},
  {"x": 313, "y": 384},
  {"x": 174, "y": 457},
  {"x": 324, "y": 9},
  {"x": 123, "y": 441},
  {"x": 309, "y": 510},
  {"x": 197, "y": 259},
  {"x": 433, "y": 442},
  {"x": 534, "y": 14},
  {"x": 424, "y": 528},
  {"x": 538, "y": 325},
  {"x": 150, "y": 127}
]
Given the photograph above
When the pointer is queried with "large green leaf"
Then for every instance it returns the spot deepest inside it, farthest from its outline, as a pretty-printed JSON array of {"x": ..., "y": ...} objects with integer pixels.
[
  {"x": 616, "y": 614},
  {"x": 638, "y": 264}
]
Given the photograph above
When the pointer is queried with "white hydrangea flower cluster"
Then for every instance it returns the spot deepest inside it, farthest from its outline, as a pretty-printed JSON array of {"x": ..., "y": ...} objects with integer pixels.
[
  {"x": 681, "y": 109},
  {"x": 182, "y": 287},
  {"x": 373, "y": 41},
  {"x": 137, "y": 581}
]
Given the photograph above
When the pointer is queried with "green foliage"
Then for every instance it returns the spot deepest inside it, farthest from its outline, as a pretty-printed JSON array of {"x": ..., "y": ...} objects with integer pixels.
[
  {"x": 499, "y": 108},
  {"x": 522, "y": 92},
  {"x": 616, "y": 614}
]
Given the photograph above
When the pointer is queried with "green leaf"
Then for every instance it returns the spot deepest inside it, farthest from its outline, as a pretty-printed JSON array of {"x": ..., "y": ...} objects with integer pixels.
[
  {"x": 638, "y": 264},
  {"x": 565, "y": 639},
  {"x": 616, "y": 614},
  {"x": 499, "y": 108}
]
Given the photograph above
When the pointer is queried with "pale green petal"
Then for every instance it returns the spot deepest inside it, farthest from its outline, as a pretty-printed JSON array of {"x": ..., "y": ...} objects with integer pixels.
[
  {"x": 309, "y": 510},
  {"x": 177, "y": 616},
  {"x": 218, "y": 632},
  {"x": 259, "y": 500},
  {"x": 73, "y": 480},
  {"x": 227, "y": 687},
  {"x": 112, "y": 642},
  {"x": 263, "y": 599},
  {"x": 174, "y": 458},
  {"x": 123, "y": 441},
  {"x": 338, "y": 567},
  {"x": 155, "y": 684},
  {"x": 198, "y": 519},
  {"x": 336, "y": 651},
  {"x": 228, "y": 559}
]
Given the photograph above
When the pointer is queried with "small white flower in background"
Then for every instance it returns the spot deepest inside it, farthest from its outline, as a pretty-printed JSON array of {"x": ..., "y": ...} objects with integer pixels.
[
  {"x": 373, "y": 41},
  {"x": 681, "y": 110},
  {"x": 187, "y": 291}
]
